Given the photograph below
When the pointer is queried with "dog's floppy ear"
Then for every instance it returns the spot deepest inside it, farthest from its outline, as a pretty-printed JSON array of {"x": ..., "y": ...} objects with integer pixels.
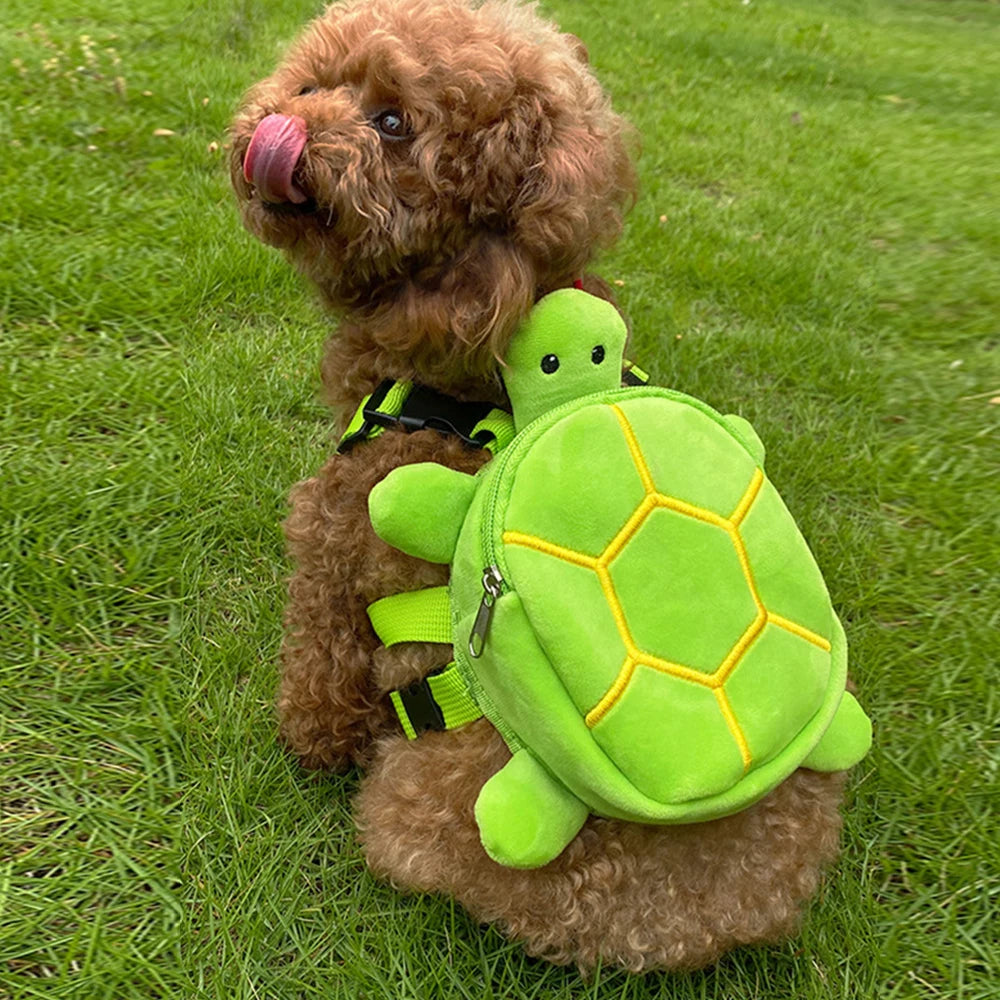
[
  {"x": 558, "y": 179},
  {"x": 576, "y": 193},
  {"x": 578, "y": 47}
]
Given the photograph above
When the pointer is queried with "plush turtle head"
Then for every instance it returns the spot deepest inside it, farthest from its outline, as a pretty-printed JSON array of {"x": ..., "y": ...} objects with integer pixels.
[{"x": 570, "y": 345}]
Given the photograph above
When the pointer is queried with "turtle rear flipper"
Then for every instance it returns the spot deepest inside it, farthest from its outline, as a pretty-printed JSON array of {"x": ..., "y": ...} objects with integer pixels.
[
  {"x": 525, "y": 816},
  {"x": 846, "y": 740}
]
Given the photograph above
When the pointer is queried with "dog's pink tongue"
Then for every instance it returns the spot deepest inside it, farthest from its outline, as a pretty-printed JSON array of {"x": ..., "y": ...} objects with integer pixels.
[{"x": 274, "y": 150}]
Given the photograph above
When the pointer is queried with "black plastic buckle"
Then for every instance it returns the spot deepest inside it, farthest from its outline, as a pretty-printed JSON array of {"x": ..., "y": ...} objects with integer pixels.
[
  {"x": 425, "y": 408},
  {"x": 422, "y": 408},
  {"x": 421, "y": 709}
]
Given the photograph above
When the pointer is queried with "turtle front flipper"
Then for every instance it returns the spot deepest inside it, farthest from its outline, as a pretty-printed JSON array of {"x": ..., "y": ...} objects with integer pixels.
[
  {"x": 420, "y": 508},
  {"x": 745, "y": 430},
  {"x": 525, "y": 816},
  {"x": 846, "y": 740}
]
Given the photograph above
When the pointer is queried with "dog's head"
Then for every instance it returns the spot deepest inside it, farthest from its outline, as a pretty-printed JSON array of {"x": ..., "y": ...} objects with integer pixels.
[{"x": 433, "y": 166}]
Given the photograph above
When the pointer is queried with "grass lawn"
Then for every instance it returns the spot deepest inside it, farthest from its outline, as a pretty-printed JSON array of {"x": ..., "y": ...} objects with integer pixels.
[{"x": 817, "y": 246}]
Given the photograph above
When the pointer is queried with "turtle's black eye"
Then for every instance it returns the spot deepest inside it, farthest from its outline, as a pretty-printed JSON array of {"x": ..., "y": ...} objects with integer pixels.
[
  {"x": 597, "y": 354},
  {"x": 550, "y": 363},
  {"x": 391, "y": 124},
  {"x": 308, "y": 90}
]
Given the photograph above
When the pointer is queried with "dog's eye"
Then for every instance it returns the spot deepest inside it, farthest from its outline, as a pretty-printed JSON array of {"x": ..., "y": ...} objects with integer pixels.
[
  {"x": 308, "y": 90},
  {"x": 597, "y": 354},
  {"x": 550, "y": 363},
  {"x": 391, "y": 125}
]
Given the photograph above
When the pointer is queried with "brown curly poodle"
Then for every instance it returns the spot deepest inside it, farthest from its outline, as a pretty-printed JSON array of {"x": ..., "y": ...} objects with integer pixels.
[{"x": 434, "y": 167}]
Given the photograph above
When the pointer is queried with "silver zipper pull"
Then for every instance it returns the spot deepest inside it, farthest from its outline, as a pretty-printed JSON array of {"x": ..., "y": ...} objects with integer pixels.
[{"x": 492, "y": 582}]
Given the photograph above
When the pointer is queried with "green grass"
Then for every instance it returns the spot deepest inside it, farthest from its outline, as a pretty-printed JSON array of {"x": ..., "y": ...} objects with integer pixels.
[{"x": 817, "y": 246}]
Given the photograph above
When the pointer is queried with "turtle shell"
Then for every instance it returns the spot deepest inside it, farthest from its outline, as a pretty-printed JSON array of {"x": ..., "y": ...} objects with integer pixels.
[{"x": 666, "y": 645}]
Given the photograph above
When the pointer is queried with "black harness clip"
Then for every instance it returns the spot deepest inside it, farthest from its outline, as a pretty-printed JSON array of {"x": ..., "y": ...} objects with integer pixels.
[
  {"x": 428, "y": 408},
  {"x": 421, "y": 709}
]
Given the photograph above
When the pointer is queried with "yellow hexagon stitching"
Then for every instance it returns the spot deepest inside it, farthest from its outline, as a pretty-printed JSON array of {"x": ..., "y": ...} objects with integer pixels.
[{"x": 651, "y": 500}]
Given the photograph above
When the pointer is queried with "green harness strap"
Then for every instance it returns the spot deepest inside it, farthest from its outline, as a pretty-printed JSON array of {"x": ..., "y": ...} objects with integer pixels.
[
  {"x": 441, "y": 701},
  {"x": 362, "y": 427},
  {"x": 499, "y": 424},
  {"x": 632, "y": 374},
  {"x": 416, "y": 616}
]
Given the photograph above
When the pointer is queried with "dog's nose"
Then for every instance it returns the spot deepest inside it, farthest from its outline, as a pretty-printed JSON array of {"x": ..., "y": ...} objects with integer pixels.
[{"x": 275, "y": 149}]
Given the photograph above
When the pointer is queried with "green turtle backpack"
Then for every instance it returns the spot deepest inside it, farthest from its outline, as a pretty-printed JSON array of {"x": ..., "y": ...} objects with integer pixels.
[{"x": 631, "y": 604}]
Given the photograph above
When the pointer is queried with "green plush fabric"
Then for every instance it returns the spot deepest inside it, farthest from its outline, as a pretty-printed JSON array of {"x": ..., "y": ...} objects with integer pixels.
[
  {"x": 420, "y": 508},
  {"x": 708, "y": 469},
  {"x": 703, "y": 601},
  {"x": 566, "y": 325},
  {"x": 745, "y": 430},
  {"x": 846, "y": 741},
  {"x": 571, "y": 521},
  {"x": 681, "y": 598},
  {"x": 670, "y": 739},
  {"x": 526, "y": 816},
  {"x": 570, "y": 616},
  {"x": 664, "y": 649},
  {"x": 787, "y": 577},
  {"x": 413, "y": 616},
  {"x": 780, "y": 662}
]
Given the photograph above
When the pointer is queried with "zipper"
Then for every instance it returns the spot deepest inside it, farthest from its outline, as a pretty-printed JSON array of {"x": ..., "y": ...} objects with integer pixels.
[{"x": 493, "y": 584}]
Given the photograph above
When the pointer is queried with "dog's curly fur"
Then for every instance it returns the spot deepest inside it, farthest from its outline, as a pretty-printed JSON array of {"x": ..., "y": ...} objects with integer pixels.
[{"x": 431, "y": 249}]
